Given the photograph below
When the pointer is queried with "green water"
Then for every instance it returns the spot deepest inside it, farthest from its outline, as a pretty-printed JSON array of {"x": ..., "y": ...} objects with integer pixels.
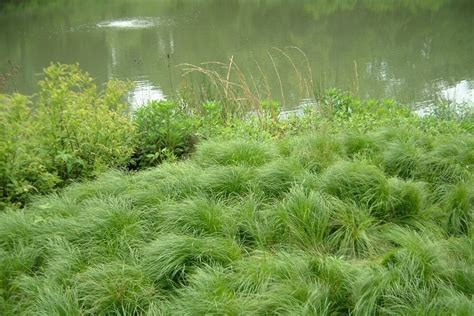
[{"x": 413, "y": 51}]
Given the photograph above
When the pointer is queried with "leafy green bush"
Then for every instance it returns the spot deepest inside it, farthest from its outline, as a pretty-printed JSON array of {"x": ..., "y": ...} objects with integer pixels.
[
  {"x": 70, "y": 131},
  {"x": 164, "y": 130}
]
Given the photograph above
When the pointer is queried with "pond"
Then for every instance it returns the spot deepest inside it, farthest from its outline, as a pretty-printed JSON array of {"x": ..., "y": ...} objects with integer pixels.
[{"x": 414, "y": 51}]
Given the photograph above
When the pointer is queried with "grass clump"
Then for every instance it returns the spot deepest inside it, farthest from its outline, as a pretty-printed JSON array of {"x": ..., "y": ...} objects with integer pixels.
[
  {"x": 459, "y": 207},
  {"x": 316, "y": 152},
  {"x": 197, "y": 216},
  {"x": 225, "y": 182},
  {"x": 276, "y": 178},
  {"x": 169, "y": 258},
  {"x": 357, "y": 182},
  {"x": 237, "y": 152},
  {"x": 354, "y": 232},
  {"x": 407, "y": 199},
  {"x": 39, "y": 296},
  {"x": 402, "y": 159},
  {"x": 305, "y": 218},
  {"x": 114, "y": 288}
]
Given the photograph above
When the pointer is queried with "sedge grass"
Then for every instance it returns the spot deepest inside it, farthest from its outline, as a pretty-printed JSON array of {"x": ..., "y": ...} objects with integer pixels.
[{"x": 363, "y": 224}]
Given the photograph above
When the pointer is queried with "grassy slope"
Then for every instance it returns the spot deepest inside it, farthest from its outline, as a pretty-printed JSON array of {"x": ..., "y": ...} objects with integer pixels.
[{"x": 317, "y": 224}]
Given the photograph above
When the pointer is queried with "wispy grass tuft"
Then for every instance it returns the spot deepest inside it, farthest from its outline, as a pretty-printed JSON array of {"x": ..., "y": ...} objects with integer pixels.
[
  {"x": 168, "y": 181},
  {"x": 357, "y": 182},
  {"x": 40, "y": 296},
  {"x": 359, "y": 145},
  {"x": 449, "y": 162},
  {"x": 354, "y": 232},
  {"x": 109, "y": 228},
  {"x": 407, "y": 199},
  {"x": 168, "y": 259},
  {"x": 237, "y": 152},
  {"x": 197, "y": 216},
  {"x": 278, "y": 176},
  {"x": 317, "y": 152},
  {"x": 402, "y": 159},
  {"x": 209, "y": 292},
  {"x": 112, "y": 183},
  {"x": 305, "y": 219},
  {"x": 458, "y": 203},
  {"x": 115, "y": 288},
  {"x": 225, "y": 182}
]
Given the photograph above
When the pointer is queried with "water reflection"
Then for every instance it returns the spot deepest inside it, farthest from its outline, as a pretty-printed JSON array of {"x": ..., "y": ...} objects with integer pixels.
[
  {"x": 461, "y": 92},
  {"x": 376, "y": 49},
  {"x": 128, "y": 23},
  {"x": 143, "y": 93}
]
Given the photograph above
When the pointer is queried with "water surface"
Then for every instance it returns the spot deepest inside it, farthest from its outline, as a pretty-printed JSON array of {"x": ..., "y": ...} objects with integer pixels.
[{"x": 410, "y": 50}]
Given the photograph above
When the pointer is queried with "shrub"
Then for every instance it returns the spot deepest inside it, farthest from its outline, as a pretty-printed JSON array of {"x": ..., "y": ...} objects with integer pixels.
[
  {"x": 69, "y": 132},
  {"x": 164, "y": 130}
]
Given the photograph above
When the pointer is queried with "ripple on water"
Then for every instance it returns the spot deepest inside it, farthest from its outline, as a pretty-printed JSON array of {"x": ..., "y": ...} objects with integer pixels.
[{"x": 128, "y": 23}]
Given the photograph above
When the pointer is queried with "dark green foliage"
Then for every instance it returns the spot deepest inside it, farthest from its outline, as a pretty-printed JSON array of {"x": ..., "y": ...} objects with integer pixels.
[{"x": 164, "y": 130}]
